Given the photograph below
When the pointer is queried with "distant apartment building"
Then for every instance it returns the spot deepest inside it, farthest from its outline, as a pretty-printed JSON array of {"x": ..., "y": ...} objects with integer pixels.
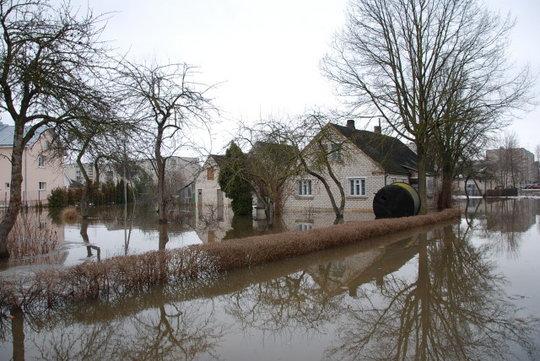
[
  {"x": 41, "y": 171},
  {"x": 73, "y": 175},
  {"x": 514, "y": 167}
]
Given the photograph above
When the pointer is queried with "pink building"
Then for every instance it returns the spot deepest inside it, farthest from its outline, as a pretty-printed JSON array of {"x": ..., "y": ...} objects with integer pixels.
[{"x": 41, "y": 172}]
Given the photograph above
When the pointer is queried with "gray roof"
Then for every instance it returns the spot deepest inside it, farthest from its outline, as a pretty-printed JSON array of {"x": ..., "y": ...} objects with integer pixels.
[
  {"x": 394, "y": 156},
  {"x": 6, "y": 135}
]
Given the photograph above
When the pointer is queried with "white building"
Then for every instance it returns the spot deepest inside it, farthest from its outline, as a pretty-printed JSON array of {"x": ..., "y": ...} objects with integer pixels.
[
  {"x": 210, "y": 200},
  {"x": 366, "y": 162},
  {"x": 41, "y": 171}
]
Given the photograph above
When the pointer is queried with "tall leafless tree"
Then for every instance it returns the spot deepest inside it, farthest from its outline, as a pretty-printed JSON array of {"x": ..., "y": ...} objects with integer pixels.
[
  {"x": 169, "y": 105},
  {"x": 403, "y": 59},
  {"x": 48, "y": 56}
]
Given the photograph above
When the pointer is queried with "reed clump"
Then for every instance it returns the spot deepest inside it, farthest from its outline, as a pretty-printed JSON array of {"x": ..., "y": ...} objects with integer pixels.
[
  {"x": 31, "y": 237},
  {"x": 125, "y": 276},
  {"x": 69, "y": 215}
]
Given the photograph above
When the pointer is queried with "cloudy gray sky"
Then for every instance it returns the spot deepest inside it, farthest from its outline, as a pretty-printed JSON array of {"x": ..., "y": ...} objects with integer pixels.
[{"x": 267, "y": 52}]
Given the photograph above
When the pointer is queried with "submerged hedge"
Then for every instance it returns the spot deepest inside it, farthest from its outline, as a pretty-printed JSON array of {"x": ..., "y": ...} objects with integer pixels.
[{"x": 125, "y": 276}]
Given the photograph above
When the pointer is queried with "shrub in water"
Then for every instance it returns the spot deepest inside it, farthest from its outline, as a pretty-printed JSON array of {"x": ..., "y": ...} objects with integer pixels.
[{"x": 69, "y": 215}]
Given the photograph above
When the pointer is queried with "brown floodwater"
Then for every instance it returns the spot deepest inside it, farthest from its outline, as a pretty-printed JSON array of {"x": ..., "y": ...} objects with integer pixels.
[{"x": 458, "y": 291}]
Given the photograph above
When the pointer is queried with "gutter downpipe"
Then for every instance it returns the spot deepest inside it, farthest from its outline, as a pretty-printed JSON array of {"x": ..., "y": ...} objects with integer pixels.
[{"x": 25, "y": 177}]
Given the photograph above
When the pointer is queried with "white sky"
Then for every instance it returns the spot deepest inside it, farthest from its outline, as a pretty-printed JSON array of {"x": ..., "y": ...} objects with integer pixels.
[{"x": 267, "y": 52}]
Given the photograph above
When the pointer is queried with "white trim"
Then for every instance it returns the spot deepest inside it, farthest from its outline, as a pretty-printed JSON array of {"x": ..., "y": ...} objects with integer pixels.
[
  {"x": 349, "y": 193},
  {"x": 301, "y": 186},
  {"x": 41, "y": 159}
]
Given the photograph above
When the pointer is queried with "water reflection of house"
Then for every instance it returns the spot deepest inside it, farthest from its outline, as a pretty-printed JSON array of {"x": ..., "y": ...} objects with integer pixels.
[
  {"x": 212, "y": 225},
  {"x": 307, "y": 220},
  {"x": 350, "y": 272}
]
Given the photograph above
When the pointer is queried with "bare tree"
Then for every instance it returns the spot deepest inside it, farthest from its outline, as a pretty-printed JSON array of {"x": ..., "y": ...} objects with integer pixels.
[
  {"x": 317, "y": 149},
  {"x": 92, "y": 139},
  {"x": 271, "y": 163},
  {"x": 168, "y": 104},
  {"x": 403, "y": 59},
  {"x": 48, "y": 58}
]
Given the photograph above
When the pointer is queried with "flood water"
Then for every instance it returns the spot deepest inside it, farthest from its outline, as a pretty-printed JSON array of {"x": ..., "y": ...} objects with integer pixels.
[
  {"x": 116, "y": 231},
  {"x": 462, "y": 291}
]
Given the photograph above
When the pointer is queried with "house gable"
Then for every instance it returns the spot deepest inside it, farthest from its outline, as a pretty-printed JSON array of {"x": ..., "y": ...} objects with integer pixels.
[{"x": 388, "y": 152}]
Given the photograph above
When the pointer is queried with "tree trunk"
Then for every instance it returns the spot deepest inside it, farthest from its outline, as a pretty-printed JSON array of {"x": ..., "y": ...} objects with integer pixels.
[
  {"x": 338, "y": 212},
  {"x": 10, "y": 216},
  {"x": 96, "y": 172},
  {"x": 86, "y": 239},
  {"x": 17, "y": 334},
  {"x": 422, "y": 184},
  {"x": 444, "y": 200},
  {"x": 163, "y": 236},
  {"x": 160, "y": 170}
]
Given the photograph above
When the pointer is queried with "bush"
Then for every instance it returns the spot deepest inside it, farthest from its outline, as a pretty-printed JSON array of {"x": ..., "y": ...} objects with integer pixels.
[
  {"x": 30, "y": 237},
  {"x": 58, "y": 198},
  {"x": 233, "y": 181},
  {"x": 69, "y": 215},
  {"x": 108, "y": 193}
]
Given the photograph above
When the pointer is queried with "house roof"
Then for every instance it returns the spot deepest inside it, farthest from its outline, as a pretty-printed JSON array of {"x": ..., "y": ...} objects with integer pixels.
[
  {"x": 394, "y": 156},
  {"x": 6, "y": 135},
  {"x": 218, "y": 158}
]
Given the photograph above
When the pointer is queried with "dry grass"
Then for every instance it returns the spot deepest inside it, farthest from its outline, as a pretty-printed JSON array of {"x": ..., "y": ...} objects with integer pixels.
[
  {"x": 69, "y": 215},
  {"x": 30, "y": 237},
  {"x": 126, "y": 276}
]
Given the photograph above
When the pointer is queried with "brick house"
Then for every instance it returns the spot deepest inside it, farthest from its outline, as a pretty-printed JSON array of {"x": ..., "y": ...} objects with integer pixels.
[
  {"x": 366, "y": 162},
  {"x": 41, "y": 171}
]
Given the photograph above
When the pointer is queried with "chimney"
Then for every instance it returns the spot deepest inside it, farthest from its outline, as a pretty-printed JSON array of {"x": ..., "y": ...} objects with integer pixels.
[
  {"x": 377, "y": 129},
  {"x": 350, "y": 124}
]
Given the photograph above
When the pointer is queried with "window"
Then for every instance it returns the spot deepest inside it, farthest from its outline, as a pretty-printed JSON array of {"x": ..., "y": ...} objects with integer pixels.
[
  {"x": 304, "y": 226},
  {"x": 304, "y": 187},
  {"x": 41, "y": 161},
  {"x": 210, "y": 173},
  {"x": 7, "y": 185},
  {"x": 357, "y": 187},
  {"x": 42, "y": 186},
  {"x": 334, "y": 153}
]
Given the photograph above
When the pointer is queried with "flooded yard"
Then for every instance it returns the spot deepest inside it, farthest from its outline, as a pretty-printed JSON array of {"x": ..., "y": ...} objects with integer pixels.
[
  {"x": 116, "y": 231},
  {"x": 462, "y": 291}
]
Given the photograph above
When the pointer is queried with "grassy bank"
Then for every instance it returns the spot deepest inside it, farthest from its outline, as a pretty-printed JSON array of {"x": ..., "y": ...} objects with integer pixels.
[{"x": 120, "y": 277}]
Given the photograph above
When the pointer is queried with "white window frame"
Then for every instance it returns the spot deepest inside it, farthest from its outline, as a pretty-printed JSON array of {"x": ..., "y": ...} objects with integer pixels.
[
  {"x": 335, "y": 152},
  {"x": 304, "y": 188},
  {"x": 41, "y": 161},
  {"x": 352, "y": 188},
  {"x": 44, "y": 186},
  {"x": 304, "y": 226}
]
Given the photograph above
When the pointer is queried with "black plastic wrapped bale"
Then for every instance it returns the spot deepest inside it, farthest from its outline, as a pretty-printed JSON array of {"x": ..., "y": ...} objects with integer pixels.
[{"x": 396, "y": 200}]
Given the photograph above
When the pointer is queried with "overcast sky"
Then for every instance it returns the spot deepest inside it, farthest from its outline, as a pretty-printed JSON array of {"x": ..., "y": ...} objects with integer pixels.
[{"x": 267, "y": 52}]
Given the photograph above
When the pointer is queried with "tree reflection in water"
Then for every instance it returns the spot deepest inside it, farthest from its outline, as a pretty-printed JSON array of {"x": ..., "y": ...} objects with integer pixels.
[
  {"x": 454, "y": 309},
  {"x": 289, "y": 301},
  {"x": 181, "y": 331},
  {"x": 175, "y": 332}
]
